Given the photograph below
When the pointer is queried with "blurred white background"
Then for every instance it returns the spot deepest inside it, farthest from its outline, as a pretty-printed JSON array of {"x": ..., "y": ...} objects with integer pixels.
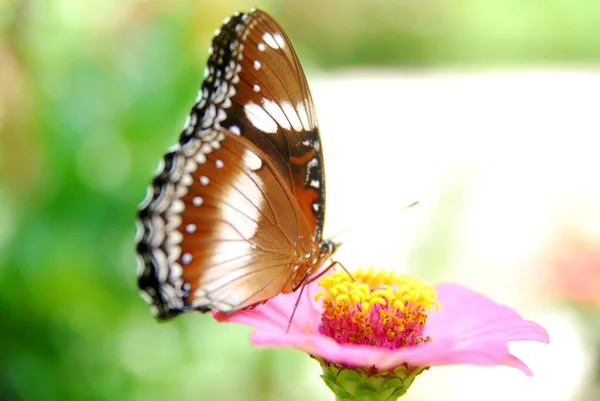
[{"x": 502, "y": 162}]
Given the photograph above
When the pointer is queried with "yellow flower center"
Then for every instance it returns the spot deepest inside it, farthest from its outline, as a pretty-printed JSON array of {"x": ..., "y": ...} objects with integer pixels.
[{"x": 377, "y": 308}]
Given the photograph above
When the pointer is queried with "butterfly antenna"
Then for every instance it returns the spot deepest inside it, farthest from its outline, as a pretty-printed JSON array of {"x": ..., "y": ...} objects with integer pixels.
[
  {"x": 415, "y": 203},
  {"x": 364, "y": 223},
  {"x": 342, "y": 231}
]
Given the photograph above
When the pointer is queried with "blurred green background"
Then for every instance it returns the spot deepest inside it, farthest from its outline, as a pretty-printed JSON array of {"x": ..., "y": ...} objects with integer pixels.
[{"x": 93, "y": 92}]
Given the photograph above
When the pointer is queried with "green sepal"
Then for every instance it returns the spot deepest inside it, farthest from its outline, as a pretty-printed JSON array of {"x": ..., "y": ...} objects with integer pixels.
[{"x": 367, "y": 384}]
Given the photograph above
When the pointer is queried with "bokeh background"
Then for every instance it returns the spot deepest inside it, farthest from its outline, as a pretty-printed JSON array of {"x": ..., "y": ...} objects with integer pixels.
[{"x": 485, "y": 111}]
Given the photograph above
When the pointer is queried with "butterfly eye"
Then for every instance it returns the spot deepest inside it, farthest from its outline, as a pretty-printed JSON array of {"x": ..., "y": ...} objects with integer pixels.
[{"x": 237, "y": 206}]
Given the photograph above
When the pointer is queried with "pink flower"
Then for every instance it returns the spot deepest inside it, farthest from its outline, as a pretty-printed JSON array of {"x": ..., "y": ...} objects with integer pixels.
[
  {"x": 466, "y": 327},
  {"x": 575, "y": 263}
]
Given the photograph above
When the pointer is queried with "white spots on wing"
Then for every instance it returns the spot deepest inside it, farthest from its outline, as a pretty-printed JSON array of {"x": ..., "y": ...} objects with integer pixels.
[
  {"x": 186, "y": 258},
  {"x": 274, "y": 41},
  {"x": 173, "y": 295},
  {"x": 277, "y": 113},
  {"x": 261, "y": 47},
  {"x": 231, "y": 68},
  {"x": 209, "y": 116},
  {"x": 315, "y": 183},
  {"x": 256, "y": 65},
  {"x": 190, "y": 228},
  {"x": 206, "y": 147},
  {"x": 256, "y": 88},
  {"x": 176, "y": 272},
  {"x": 279, "y": 39},
  {"x": 174, "y": 238},
  {"x": 317, "y": 145},
  {"x": 145, "y": 294},
  {"x": 292, "y": 116},
  {"x": 161, "y": 265},
  {"x": 190, "y": 123},
  {"x": 177, "y": 206},
  {"x": 235, "y": 129},
  {"x": 221, "y": 115},
  {"x": 270, "y": 40},
  {"x": 147, "y": 197},
  {"x": 316, "y": 207},
  {"x": 252, "y": 160},
  {"x": 139, "y": 231},
  {"x": 226, "y": 20},
  {"x": 202, "y": 94},
  {"x": 181, "y": 190},
  {"x": 186, "y": 180},
  {"x": 259, "y": 118},
  {"x": 284, "y": 114},
  {"x": 204, "y": 180},
  {"x": 273, "y": 114},
  {"x": 219, "y": 94},
  {"x": 197, "y": 201},
  {"x": 241, "y": 221},
  {"x": 312, "y": 164},
  {"x": 219, "y": 163},
  {"x": 169, "y": 228},
  {"x": 155, "y": 232},
  {"x": 303, "y": 115},
  {"x": 190, "y": 167},
  {"x": 200, "y": 157},
  {"x": 217, "y": 32}
]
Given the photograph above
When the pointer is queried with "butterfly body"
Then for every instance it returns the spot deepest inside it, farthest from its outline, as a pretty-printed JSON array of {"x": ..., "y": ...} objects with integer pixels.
[{"x": 235, "y": 213}]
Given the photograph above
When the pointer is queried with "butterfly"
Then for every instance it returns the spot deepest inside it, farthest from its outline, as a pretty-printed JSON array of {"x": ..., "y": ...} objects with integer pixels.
[{"x": 234, "y": 215}]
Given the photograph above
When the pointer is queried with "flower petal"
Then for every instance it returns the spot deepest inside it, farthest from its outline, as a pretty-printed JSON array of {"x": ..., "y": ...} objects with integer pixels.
[
  {"x": 469, "y": 329},
  {"x": 481, "y": 319},
  {"x": 276, "y": 313}
]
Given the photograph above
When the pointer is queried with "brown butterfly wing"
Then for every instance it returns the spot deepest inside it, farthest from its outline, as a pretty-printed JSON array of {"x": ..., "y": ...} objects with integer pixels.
[
  {"x": 255, "y": 85},
  {"x": 242, "y": 239},
  {"x": 235, "y": 214}
]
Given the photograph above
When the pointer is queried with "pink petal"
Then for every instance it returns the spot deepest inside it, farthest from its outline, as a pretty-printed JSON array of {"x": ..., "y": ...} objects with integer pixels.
[
  {"x": 469, "y": 329},
  {"x": 276, "y": 313}
]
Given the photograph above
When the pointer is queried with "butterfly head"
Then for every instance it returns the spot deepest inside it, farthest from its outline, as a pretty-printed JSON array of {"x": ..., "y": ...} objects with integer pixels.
[{"x": 328, "y": 247}]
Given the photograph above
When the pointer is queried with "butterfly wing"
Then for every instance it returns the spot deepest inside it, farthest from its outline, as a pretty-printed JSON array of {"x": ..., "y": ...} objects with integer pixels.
[
  {"x": 255, "y": 86},
  {"x": 220, "y": 231},
  {"x": 238, "y": 206}
]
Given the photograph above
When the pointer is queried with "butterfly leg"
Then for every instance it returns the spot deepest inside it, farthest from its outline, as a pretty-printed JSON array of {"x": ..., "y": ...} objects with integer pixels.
[{"x": 331, "y": 265}]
